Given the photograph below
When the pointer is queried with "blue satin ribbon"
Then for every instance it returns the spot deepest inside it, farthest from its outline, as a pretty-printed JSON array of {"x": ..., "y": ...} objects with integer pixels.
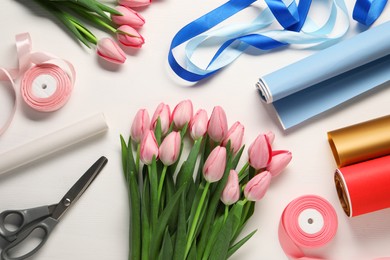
[
  {"x": 367, "y": 11},
  {"x": 297, "y": 28}
]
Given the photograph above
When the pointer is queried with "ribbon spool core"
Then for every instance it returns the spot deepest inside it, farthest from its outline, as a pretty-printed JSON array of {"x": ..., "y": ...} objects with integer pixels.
[{"x": 342, "y": 193}]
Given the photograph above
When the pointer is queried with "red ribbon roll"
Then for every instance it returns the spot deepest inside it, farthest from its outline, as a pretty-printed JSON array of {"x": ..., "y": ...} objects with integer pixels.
[
  {"x": 364, "y": 187},
  {"x": 307, "y": 222}
]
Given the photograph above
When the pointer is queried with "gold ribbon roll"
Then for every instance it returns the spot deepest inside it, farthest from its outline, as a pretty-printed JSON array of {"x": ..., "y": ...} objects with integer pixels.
[{"x": 361, "y": 142}]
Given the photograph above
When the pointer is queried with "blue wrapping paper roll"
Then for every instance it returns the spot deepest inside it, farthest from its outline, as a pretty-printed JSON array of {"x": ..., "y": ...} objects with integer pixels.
[{"x": 329, "y": 77}]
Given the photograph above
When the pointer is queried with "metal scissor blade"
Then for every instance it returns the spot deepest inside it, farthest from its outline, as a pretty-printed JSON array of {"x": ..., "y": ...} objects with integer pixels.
[{"x": 79, "y": 187}]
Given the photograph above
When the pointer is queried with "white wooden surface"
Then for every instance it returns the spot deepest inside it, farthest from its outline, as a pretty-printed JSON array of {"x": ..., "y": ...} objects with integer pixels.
[{"x": 97, "y": 226}]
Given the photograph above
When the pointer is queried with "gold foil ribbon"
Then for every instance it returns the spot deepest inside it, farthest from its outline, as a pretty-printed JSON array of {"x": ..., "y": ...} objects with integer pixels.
[{"x": 361, "y": 142}]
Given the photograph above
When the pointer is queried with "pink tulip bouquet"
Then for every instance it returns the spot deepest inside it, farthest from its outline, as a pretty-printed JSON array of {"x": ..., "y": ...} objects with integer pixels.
[
  {"x": 193, "y": 205},
  {"x": 121, "y": 21}
]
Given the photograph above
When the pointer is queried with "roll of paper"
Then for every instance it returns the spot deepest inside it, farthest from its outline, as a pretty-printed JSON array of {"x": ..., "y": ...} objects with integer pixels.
[
  {"x": 361, "y": 142},
  {"x": 52, "y": 142},
  {"x": 364, "y": 187},
  {"x": 329, "y": 77}
]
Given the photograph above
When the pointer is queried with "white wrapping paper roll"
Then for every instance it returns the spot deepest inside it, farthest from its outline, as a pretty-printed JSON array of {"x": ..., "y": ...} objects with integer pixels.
[{"x": 52, "y": 142}]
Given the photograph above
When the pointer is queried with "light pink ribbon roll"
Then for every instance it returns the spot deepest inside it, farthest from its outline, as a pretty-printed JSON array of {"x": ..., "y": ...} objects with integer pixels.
[
  {"x": 307, "y": 222},
  {"x": 46, "y": 81}
]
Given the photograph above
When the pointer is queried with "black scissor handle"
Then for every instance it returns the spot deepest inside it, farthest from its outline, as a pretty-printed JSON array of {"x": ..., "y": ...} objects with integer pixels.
[
  {"x": 24, "y": 217},
  {"x": 46, "y": 225}
]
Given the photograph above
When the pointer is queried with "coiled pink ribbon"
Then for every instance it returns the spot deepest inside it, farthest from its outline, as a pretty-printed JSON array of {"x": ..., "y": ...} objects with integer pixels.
[
  {"x": 46, "y": 81},
  {"x": 307, "y": 222}
]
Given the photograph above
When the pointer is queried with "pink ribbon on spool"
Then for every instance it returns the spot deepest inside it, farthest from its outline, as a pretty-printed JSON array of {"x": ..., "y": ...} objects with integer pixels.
[
  {"x": 46, "y": 81},
  {"x": 307, "y": 222}
]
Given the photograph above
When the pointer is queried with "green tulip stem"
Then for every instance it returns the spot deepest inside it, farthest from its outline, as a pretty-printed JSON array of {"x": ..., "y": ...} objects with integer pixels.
[
  {"x": 161, "y": 184},
  {"x": 243, "y": 172},
  {"x": 191, "y": 234},
  {"x": 138, "y": 157},
  {"x": 226, "y": 213},
  {"x": 88, "y": 34},
  {"x": 243, "y": 169}
]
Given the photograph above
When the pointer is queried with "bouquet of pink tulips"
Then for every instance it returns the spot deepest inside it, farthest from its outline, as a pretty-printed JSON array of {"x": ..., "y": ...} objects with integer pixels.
[
  {"x": 121, "y": 20},
  {"x": 193, "y": 207}
]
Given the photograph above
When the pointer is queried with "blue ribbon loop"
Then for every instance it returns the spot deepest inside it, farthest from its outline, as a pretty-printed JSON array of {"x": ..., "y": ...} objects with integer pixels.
[
  {"x": 367, "y": 11},
  {"x": 297, "y": 28}
]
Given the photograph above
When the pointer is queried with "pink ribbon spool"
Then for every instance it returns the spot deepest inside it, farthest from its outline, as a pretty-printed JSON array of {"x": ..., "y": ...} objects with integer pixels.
[
  {"x": 307, "y": 222},
  {"x": 46, "y": 87},
  {"x": 46, "y": 83}
]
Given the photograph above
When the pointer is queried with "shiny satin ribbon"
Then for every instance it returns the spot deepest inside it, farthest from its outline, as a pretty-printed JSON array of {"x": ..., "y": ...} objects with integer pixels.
[
  {"x": 46, "y": 81},
  {"x": 364, "y": 187},
  {"x": 362, "y": 151},
  {"x": 307, "y": 222},
  {"x": 361, "y": 142},
  {"x": 7, "y": 78},
  {"x": 367, "y": 11},
  {"x": 297, "y": 29}
]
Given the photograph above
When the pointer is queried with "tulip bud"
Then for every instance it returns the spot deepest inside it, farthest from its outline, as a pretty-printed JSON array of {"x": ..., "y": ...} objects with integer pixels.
[
  {"x": 182, "y": 113},
  {"x": 134, "y": 3},
  {"x": 149, "y": 148},
  {"x": 259, "y": 152},
  {"x": 128, "y": 17},
  {"x": 217, "y": 126},
  {"x": 128, "y": 36},
  {"x": 231, "y": 192},
  {"x": 279, "y": 161},
  {"x": 214, "y": 165},
  {"x": 198, "y": 124},
  {"x": 235, "y": 136},
  {"x": 271, "y": 137},
  {"x": 110, "y": 51},
  {"x": 170, "y": 148},
  {"x": 140, "y": 125},
  {"x": 256, "y": 187},
  {"x": 164, "y": 113}
]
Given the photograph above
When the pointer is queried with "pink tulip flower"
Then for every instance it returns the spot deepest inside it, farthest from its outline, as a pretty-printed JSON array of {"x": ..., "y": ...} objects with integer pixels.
[
  {"x": 231, "y": 192},
  {"x": 214, "y": 165},
  {"x": 198, "y": 124},
  {"x": 128, "y": 17},
  {"x": 110, "y": 51},
  {"x": 217, "y": 126},
  {"x": 235, "y": 136},
  {"x": 259, "y": 152},
  {"x": 271, "y": 137},
  {"x": 256, "y": 187},
  {"x": 182, "y": 113},
  {"x": 128, "y": 36},
  {"x": 134, "y": 3},
  {"x": 164, "y": 113},
  {"x": 170, "y": 148},
  {"x": 149, "y": 147},
  {"x": 279, "y": 161},
  {"x": 140, "y": 125}
]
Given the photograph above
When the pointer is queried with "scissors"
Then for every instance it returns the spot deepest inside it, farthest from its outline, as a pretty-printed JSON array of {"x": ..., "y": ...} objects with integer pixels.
[{"x": 43, "y": 218}]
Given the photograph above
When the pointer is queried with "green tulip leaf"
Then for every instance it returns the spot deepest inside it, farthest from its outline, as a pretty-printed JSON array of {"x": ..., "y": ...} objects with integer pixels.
[
  {"x": 181, "y": 234},
  {"x": 236, "y": 246},
  {"x": 167, "y": 247}
]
